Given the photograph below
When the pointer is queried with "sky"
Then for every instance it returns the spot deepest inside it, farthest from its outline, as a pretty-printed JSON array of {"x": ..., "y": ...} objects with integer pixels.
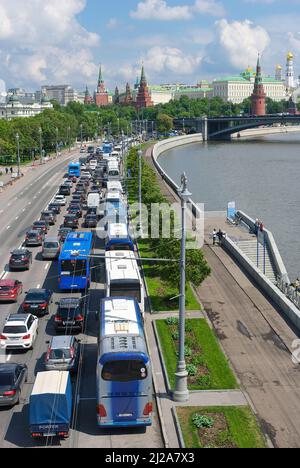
[{"x": 63, "y": 41}]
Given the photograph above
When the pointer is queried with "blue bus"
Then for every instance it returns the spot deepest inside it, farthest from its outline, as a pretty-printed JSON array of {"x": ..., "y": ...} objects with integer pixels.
[
  {"x": 74, "y": 265},
  {"x": 124, "y": 375},
  {"x": 118, "y": 238},
  {"x": 108, "y": 148},
  {"x": 74, "y": 169}
]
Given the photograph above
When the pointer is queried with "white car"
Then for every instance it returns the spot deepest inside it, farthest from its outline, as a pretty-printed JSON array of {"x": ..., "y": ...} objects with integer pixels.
[
  {"x": 60, "y": 199},
  {"x": 86, "y": 174},
  {"x": 20, "y": 332}
]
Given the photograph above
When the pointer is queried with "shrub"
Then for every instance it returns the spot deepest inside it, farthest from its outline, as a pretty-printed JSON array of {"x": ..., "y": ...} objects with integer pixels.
[
  {"x": 172, "y": 321},
  {"x": 204, "y": 381},
  {"x": 192, "y": 370},
  {"x": 188, "y": 327},
  {"x": 188, "y": 352},
  {"x": 201, "y": 421},
  {"x": 198, "y": 361},
  {"x": 175, "y": 336}
]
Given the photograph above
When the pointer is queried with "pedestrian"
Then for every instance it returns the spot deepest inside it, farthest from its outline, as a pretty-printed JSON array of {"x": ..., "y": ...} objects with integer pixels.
[
  {"x": 11, "y": 170},
  {"x": 297, "y": 284},
  {"x": 220, "y": 236},
  {"x": 6, "y": 170},
  {"x": 214, "y": 236}
]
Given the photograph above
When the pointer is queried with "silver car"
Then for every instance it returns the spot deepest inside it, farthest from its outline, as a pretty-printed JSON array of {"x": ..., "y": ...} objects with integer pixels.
[
  {"x": 51, "y": 248},
  {"x": 63, "y": 354}
]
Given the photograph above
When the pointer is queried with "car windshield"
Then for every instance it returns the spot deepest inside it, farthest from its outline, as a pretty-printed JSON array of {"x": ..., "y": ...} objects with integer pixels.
[
  {"x": 39, "y": 224},
  {"x": 6, "y": 379},
  {"x": 51, "y": 245},
  {"x": 19, "y": 255},
  {"x": 14, "y": 330},
  {"x": 124, "y": 371},
  {"x": 36, "y": 296},
  {"x": 5, "y": 288},
  {"x": 59, "y": 354},
  {"x": 32, "y": 235}
]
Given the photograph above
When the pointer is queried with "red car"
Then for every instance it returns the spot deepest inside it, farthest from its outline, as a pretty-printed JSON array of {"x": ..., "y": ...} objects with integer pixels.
[{"x": 10, "y": 290}]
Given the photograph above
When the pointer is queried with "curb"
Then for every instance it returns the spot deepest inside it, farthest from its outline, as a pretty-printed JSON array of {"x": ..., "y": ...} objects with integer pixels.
[
  {"x": 178, "y": 428},
  {"x": 162, "y": 360}
]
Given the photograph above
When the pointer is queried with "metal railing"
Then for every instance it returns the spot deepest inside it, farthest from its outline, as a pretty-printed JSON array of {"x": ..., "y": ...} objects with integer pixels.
[{"x": 289, "y": 291}]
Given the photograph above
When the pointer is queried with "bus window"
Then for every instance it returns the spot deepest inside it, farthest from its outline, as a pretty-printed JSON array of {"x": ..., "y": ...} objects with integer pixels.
[
  {"x": 74, "y": 267},
  {"x": 126, "y": 290},
  {"x": 124, "y": 371}
]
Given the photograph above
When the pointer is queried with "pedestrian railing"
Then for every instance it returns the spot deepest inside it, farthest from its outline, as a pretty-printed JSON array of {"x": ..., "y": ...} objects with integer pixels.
[{"x": 289, "y": 291}]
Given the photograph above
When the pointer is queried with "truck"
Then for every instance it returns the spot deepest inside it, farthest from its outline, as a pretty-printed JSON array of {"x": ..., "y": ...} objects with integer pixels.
[
  {"x": 50, "y": 406},
  {"x": 93, "y": 200}
]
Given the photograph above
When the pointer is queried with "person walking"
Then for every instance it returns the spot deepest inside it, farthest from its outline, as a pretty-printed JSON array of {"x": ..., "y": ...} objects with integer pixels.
[
  {"x": 220, "y": 236},
  {"x": 6, "y": 170},
  {"x": 11, "y": 170},
  {"x": 214, "y": 236}
]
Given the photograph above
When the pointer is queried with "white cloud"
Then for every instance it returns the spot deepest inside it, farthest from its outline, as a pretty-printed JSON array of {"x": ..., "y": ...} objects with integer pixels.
[
  {"x": 161, "y": 11},
  {"x": 171, "y": 59},
  {"x": 242, "y": 41},
  {"x": 112, "y": 23},
  {"x": 42, "y": 40}
]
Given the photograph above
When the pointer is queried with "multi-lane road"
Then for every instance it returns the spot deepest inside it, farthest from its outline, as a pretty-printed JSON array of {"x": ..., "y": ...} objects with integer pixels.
[{"x": 20, "y": 206}]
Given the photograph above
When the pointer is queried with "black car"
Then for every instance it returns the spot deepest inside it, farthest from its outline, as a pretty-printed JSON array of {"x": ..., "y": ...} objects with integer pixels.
[
  {"x": 70, "y": 316},
  {"x": 12, "y": 379},
  {"x": 91, "y": 221},
  {"x": 76, "y": 210},
  {"x": 63, "y": 233},
  {"x": 55, "y": 207},
  {"x": 49, "y": 216},
  {"x": 65, "y": 190},
  {"x": 20, "y": 260},
  {"x": 38, "y": 225},
  {"x": 71, "y": 221},
  {"x": 38, "y": 302}
]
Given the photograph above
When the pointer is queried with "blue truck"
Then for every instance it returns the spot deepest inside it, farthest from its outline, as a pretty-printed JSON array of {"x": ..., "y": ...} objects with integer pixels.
[{"x": 50, "y": 407}]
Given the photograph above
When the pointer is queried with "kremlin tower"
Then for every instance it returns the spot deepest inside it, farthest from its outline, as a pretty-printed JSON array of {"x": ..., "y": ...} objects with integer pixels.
[
  {"x": 101, "y": 95},
  {"x": 88, "y": 98},
  {"x": 258, "y": 98},
  {"x": 128, "y": 97},
  {"x": 143, "y": 98},
  {"x": 290, "y": 84}
]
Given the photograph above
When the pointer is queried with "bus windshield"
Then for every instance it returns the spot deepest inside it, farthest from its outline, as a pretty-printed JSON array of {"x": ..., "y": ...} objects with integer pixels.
[
  {"x": 74, "y": 267},
  {"x": 124, "y": 371}
]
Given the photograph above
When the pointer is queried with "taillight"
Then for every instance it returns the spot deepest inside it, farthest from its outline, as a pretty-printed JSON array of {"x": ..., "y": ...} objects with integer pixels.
[
  {"x": 101, "y": 411},
  {"x": 79, "y": 318},
  {"x": 48, "y": 355},
  {"x": 72, "y": 352},
  {"x": 26, "y": 306},
  {"x": 36, "y": 435},
  {"x": 2, "y": 337},
  {"x": 10, "y": 393},
  {"x": 58, "y": 319},
  {"x": 148, "y": 409},
  {"x": 63, "y": 434},
  {"x": 26, "y": 337},
  {"x": 44, "y": 305}
]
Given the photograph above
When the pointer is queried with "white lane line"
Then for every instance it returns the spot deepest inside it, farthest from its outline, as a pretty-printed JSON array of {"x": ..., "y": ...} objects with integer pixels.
[
  {"x": 17, "y": 218},
  {"x": 8, "y": 227},
  {"x": 29, "y": 203},
  {"x": 38, "y": 286},
  {"x": 47, "y": 266},
  {"x": 24, "y": 209},
  {"x": 2, "y": 211},
  {"x": 8, "y": 358}
]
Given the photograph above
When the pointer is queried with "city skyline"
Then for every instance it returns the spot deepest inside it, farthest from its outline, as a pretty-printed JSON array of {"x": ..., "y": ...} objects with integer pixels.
[{"x": 178, "y": 41}]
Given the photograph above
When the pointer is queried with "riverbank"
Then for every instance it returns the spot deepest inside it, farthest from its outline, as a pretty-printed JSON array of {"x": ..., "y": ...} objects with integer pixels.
[{"x": 257, "y": 132}]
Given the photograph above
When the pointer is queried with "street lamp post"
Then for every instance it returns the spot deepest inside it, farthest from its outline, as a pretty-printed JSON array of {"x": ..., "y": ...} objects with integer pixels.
[
  {"x": 18, "y": 149},
  {"x": 140, "y": 154},
  {"x": 181, "y": 393},
  {"x": 69, "y": 136},
  {"x": 41, "y": 145},
  {"x": 56, "y": 141},
  {"x": 81, "y": 134}
]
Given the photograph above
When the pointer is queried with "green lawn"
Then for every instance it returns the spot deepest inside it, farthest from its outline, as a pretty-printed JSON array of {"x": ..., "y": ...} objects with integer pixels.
[
  {"x": 162, "y": 291},
  {"x": 203, "y": 354},
  {"x": 234, "y": 427}
]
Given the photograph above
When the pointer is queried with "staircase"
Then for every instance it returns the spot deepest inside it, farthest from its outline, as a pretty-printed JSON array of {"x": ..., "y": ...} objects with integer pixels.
[{"x": 249, "y": 248}]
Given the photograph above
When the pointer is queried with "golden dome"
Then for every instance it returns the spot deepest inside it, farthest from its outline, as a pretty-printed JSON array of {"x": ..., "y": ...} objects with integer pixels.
[
  {"x": 290, "y": 56},
  {"x": 278, "y": 67},
  {"x": 249, "y": 70}
]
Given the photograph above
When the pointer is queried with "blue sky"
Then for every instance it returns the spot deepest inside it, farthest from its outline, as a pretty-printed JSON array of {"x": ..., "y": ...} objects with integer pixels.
[{"x": 178, "y": 40}]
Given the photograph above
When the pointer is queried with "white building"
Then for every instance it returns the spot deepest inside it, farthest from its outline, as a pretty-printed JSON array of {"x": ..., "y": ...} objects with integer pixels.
[
  {"x": 63, "y": 94},
  {"x": 14, "y": 108},
  {"x": 236, "y": 89},
  {"x": 290, "y": 82}
]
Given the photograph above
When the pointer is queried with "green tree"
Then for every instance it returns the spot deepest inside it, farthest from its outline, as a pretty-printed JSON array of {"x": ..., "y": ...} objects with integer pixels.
[{"x": 164, "y": 123}]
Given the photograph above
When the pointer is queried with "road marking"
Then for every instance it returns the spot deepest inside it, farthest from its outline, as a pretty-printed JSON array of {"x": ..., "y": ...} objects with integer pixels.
[
  {"x": 47, "y": 266},
  {"x": 17, "y": 218},
  {"x": 2, "y": 211},
  {"x": 38, "y": 286},
  {"x": 8, "y": 358},
  {"x": 8, "y": 227},
  {"x": 9, "y": 204},
  {"x": 24, "y": 209},
  {"x": 29, "y": 203}
]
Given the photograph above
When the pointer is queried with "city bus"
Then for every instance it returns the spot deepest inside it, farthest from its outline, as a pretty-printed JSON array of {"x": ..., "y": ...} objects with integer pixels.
[
  {"x": 74, "y": 170},
  {"x": 123, "y": 276},
  {"x": 74, "y": 265},
  {"x": 113, "y": 171},
  {"x": 124, "y": 375},
  {"x": 107, "y": 148},
  {"x": 118, "y": 238}
]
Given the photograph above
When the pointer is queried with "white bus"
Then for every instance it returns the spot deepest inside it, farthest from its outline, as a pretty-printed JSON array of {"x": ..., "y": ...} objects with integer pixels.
[
  {"x": 113, "y": 171},
  {"x": 114, "y": 186},
  {"x": 123, "y": 277}
]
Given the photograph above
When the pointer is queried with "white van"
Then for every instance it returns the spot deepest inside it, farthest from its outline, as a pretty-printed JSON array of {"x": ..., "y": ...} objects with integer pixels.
[{"x": 93, "y": 200}]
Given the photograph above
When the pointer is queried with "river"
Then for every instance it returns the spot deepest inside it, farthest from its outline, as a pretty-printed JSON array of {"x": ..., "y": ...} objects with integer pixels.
[{"x": 261, "y": 175}]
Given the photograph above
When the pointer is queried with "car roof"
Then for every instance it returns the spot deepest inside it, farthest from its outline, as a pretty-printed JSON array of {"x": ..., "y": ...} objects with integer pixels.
[
  {"x": 69, "y": 301},
  {"x": 8, "y": 367},
  {"x": 52, "y": 239},
  {"x": 7, "y": 282},
  {"x": 21, "y": 318},
  {"x": 61, "y": 342},
  {"x": 39, "y": 222}
]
